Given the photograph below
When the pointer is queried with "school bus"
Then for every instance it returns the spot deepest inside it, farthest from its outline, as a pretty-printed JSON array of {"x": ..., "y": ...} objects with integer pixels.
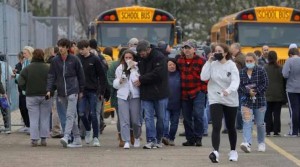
[
  {"x": 117, "y": 26},
  {"x": 274, "y": 26}
]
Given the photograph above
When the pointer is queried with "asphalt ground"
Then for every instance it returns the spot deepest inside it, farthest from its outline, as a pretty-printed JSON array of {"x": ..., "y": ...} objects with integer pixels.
[{"x": 15, "y": 151}]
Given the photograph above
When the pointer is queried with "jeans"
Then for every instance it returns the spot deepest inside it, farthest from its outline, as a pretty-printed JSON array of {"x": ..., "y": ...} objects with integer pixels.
[
  {"x": 89, "y": 101},
  {"x": 192, "y": 111},
  {"x": 206, "y": 117},
  {"x": 239, "y": 119},
  {"x": 61, "y": 113},
  {"x": 157, "y": 108},
  {"x": 171, "y": 122},
  {"x": 259, "y": 116}
]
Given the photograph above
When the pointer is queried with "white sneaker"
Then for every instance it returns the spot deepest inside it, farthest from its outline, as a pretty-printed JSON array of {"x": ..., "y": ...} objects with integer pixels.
[
  {"x": 88, "y": 137},
  {"x": 233, "y": 155},
  {"x": 96, "y": 142},
  {"x": 64, "y": 141},
  {"x": 24, "y": 129},
  {"x": 214, "y": 157},
  {"x": 126, "y": 145},
  {"x": 76, "y": 143},
  {"x": 261, "y": 147},
  {"x": 137, "y": 143},
  {"x": 246, "y": 147}
]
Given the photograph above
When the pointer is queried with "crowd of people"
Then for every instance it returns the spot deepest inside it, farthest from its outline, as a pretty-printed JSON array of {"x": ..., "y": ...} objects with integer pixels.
[{"x": 70, "y": 83}]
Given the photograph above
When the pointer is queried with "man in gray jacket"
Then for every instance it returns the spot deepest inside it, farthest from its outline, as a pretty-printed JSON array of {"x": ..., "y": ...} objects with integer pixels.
[
  {"x": 290, "y": 72},
  {"x": 66, "y": 73}
]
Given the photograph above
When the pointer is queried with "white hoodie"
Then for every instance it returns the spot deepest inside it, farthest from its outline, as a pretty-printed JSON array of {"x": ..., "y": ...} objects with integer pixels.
[
  {"x": 221, "y": 77},
  {"x": 127, "y": 85}
]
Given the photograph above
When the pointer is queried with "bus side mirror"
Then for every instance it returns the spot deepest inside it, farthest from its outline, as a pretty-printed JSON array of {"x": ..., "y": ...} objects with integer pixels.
[
  {"x": 179, "y": 34},
  {"x": 230, "y": 29}
]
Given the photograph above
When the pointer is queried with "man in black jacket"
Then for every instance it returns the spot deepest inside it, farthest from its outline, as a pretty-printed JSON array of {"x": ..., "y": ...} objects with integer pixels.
[
  {"x": 154, "y": 91},
  {"x": 67, "y": 74},
  {"x": 95, "y": 84}
]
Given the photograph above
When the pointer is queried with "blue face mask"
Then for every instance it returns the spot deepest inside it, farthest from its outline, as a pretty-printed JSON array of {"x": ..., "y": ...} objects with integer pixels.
[{"x": 250, "y": 65}]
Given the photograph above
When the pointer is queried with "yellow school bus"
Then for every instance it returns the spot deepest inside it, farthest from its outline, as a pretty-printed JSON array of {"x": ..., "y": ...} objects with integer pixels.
[
  {"x": 117, "y": 26},
  {"x": 274, "y": 26}
]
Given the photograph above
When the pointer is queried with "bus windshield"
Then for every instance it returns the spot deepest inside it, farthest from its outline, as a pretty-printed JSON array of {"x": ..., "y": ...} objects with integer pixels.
[
  {"x": 271, "y": 34},
  {"x": 120, "y": 34}
]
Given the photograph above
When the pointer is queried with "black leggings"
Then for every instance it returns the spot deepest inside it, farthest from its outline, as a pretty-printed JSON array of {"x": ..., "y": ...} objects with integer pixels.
[
  {"x": 23, "y": 110},
  {"x": 217, "y": 111}
]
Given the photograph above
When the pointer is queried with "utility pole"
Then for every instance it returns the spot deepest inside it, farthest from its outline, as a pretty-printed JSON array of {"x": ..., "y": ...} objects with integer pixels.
[
  {"x": 69, "y": 10},
  {"x": 54, "y": 22}
]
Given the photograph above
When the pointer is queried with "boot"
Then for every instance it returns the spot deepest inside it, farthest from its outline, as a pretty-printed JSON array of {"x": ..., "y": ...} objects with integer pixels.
[
  {"x": 131, "y": 137},
  {"x": 121, "y": 142}
]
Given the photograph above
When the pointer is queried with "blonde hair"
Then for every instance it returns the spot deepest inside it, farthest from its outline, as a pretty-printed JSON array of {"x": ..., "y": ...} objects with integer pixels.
[
  {"x": 30, "y": 51},
  {"x": 48, "y": 53}
]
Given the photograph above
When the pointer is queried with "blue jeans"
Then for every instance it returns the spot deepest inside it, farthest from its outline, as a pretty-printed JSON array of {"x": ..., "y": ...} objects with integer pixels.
[
  {"x": 192, "y": 111},
  {"x": 61, "y": 111},
  {"x": 89, "y": 101},
  {"x": 206, "y": 117},
  {"x": 171, "y": 123},
  {"x": 239, "y": 119},
  {"x": 259, "y": 116},
  {"x": 157, "y": 108}
]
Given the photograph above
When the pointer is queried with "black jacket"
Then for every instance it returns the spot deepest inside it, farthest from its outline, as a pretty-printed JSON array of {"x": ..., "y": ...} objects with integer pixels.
[
  {"x": 95, "y": 75},
  {"x": 154, "y": 76},
  {"x": 67, "y": 75}
]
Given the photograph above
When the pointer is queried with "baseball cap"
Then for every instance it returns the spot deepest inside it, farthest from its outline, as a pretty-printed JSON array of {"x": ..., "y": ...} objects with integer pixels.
[
  {"x": 189, "y": 44},
  {"x": 133, "y": 41},
  {"x": 293, "y": 45}
]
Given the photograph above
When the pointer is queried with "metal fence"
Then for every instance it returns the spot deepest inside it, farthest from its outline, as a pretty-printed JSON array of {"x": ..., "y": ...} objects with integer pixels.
[{"x": 19, "y": 29}]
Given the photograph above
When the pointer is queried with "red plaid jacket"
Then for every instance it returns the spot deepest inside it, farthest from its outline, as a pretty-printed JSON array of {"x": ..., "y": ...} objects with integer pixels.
[{"x": 191, "y": 82}]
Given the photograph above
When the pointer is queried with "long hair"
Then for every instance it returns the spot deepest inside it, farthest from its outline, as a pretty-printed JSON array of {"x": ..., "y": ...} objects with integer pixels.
[
  {"x": 124, "y": 64},
  {"x": 226, "y": 50},
  {"x": 272, "y": 58}
]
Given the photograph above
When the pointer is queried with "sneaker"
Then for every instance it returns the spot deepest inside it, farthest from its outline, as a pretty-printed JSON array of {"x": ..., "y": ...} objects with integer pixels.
[
  {"x": 214, "y": 157},
  {"x": 165, "y": 141},
  {"x": 225, "y": 131},
  {"x": 88, "y": 137},
  {"x": 7, "y": 131},
  {"x": 188, "y": 143},
  {"x": 268, "y": 134},
  {"x": 43, "y": 142},
  {"x": 246, "y": 147},
  {"x": 233, "y": 155},
  {"x": 290, "y": 135},
  {"x": 102, "y": 126},
  {"x": 149, "y": 145},
  {"x": 64, "y": 141},
  {"x": 199, "y": 142},
  {"x": 24, "y": 130},
  {"x": 171, "y": 143},
  {"x": 126, "y": 145},
  {"x": 158, "y": 145},
  {"x": 76, "y": 143},
  {"x": 137, "y": 142},
  {"x": 261, "y": 147},
  {"x": 276, "y": 135},
  {"x": 34, "y": 143},
  {"x": 96, "y": 142},
  {"x": 182, "y": 134}
]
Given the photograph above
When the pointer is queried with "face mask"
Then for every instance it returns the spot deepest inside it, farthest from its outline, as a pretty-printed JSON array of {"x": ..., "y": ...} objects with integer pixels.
[
  {"x": 218, "y": 56},
  {"x": 250, "y": 65}
]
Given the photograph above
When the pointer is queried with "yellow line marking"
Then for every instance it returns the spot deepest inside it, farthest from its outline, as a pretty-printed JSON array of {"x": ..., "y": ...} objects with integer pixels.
[{"x": 281, "y": 150}]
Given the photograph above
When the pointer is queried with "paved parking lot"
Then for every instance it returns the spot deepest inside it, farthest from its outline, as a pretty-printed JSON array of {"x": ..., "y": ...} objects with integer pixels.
[{"x": 16, "y": 151}]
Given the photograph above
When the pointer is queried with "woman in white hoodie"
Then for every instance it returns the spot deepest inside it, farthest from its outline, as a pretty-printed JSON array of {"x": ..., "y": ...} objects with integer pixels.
[
  {"x": 223, "y": 81},
  {"x": 128, "y": 97}
]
